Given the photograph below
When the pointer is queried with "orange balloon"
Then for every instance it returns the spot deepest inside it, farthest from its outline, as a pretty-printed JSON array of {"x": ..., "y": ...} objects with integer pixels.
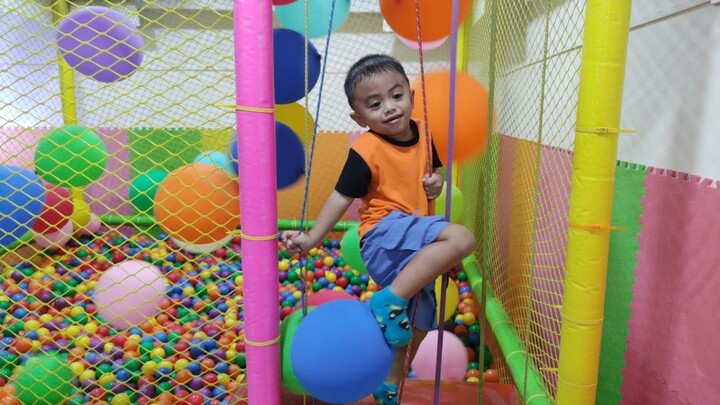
[
  {"x": 435, "y": 17},
  {"x": 198, "y": 203},
  {"x": 471, "y": 113}
]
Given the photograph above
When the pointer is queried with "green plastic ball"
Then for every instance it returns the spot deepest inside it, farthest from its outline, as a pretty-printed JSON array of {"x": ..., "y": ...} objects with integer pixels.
[
  {"x": 287, "y": 332},
  {"x": 350, "y": 250},
  {"x": 44, "y": 380},
  {"x": 143, "y": 189},
  {"x": 457, "y": 204},
  {"x": 71, "y": 156}
]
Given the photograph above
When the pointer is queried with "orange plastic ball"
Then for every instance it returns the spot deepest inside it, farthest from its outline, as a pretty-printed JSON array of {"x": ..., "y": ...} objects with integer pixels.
[
  {"x": 435, "y": 17},
  {"x": 471, "y": 113},
  {"x": 198, "y": 204},
  {"x": 491, "y": 376}
]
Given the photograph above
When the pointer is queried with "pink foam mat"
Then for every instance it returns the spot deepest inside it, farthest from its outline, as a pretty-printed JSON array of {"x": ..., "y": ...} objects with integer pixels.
[{"x": 673, "y": 344}]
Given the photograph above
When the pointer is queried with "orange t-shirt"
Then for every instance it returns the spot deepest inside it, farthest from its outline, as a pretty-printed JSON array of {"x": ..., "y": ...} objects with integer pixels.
[{"x": 396, "y": 178}]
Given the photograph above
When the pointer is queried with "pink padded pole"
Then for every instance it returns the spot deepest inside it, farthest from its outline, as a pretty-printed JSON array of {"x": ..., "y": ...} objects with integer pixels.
[{"x": 258, "y": 196}]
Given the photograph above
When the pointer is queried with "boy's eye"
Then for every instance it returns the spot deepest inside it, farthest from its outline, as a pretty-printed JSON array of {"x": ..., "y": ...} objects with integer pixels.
[
  {"x": 375, "y": 104},
  {"x": 397, "y": 96}
]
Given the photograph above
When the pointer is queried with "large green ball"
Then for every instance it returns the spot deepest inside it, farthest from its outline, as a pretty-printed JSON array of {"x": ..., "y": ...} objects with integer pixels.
[
  {"x": 457, "y": 204},
  {"x": 71, "y": 156},
  {"x": 143, "y": 189},
  {"x": 350, "y": 249},
  {"x": 287, "y": 332},
  {"x": 44, "y": 380}
]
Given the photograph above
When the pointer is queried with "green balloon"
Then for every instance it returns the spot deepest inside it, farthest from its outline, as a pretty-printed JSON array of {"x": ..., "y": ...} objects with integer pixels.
[
  {"x": 287, "y": 332},
  {"x": 44, "y": 380},
  {"x": 143, "y": 189},
  {"x": 71, "y": 156},
  {"x": 350, "y": 249},
  {"x": 457, "y": 204}
]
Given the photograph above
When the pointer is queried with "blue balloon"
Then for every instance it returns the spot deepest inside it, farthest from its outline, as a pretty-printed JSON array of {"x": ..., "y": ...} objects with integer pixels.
[
  {"x": 289, "y": 65},
  {"x": 292, "y": 16},
  {"x": 289, "y": 154},
  {"x": 216, "y": 158},
  {"x": 360, "y": 371},
  {"x": 22, "y": 197}
]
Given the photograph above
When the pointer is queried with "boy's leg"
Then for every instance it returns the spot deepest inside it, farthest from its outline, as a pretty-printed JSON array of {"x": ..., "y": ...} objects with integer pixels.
[{"x": 387, "y": 392}]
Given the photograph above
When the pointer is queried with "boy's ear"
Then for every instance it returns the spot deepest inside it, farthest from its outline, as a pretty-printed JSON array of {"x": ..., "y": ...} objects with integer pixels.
[
  {"x": 358, "y": 119},
  {"x": 412, "y": 98}
]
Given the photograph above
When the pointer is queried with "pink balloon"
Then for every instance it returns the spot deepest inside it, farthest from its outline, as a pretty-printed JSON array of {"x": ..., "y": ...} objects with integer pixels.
[
  {"x": 326, "y": 295},
  {"x": 412, "y": 43},
  {"x": 129, "y": 293},
  {"x": 93, "y": 226},
  {"x": 56, "y": 239},
  {"x": 454, "y": 357},
  {"x": 282, "y": 2}
]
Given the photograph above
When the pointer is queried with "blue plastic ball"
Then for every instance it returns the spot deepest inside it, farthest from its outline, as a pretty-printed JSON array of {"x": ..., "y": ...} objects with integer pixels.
[
  {"x": 23, "y": 197},
  {"x": 360, "y": 371}
]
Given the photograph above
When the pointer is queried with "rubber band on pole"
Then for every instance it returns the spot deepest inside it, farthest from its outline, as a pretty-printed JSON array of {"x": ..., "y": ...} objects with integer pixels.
[
  {"x": 266, "y": 110},
  {"x": 253, "y": 237},
  {"x": 596, "y": 227},
  {"x": 262, "y": 344}
]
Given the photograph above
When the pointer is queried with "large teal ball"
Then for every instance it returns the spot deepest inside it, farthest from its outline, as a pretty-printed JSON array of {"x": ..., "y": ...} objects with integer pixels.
[{"x": 143, "y": 189}]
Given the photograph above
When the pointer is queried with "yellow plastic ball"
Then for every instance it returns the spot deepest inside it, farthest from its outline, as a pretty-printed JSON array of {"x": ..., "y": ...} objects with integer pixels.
[{"x": 283, "y": 265}]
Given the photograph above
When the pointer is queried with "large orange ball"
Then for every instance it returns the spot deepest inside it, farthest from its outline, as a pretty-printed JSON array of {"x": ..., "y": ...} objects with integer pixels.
[
  {"x": 435, "y": 17},
  {"x": 471, "y": 113},
  {"x": 198, "y": 203}
]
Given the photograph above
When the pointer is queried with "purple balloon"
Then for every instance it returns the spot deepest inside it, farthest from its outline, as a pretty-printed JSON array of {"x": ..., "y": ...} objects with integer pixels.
[{"x": 100, "y": 43}]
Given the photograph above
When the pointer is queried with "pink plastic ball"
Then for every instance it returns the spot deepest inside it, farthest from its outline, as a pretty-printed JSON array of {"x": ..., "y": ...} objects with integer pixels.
[
  {"x": 454, "y": 357},
  {"x": 129, "y": 293},
  {"x": 93, "y": 226}
]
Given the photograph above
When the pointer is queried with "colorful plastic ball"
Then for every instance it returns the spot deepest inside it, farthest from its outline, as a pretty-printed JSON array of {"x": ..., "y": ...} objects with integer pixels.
[
  {"x": 213, "y": 157},
  {"x": 71, "y": 156},
  {"x": 289, "y": 65},
  {"x": 451, "y": 298},
  {"x": 44, "y": 380},
  {"x": 22, "y": 197},
  {"x": 81, "y": 214},
  {"x": 54, "y": 240},
  {"x": 292, "y": 16},
  {"x": 289, "y": 154},
  {"x": 435, "y": 17},
  {"x": 198, "y": 204},
  {"x": 129, "y": 293},
  {"x": 143, "y": 188},
  {"x": 454, "y": 357},
  {"x": 56, "y": 211},
  {"x": 100, "y": 43},
  {"x": 457, "y": 204},
  {"x": 426, "y": 46},
  {"x": 295, "y": 116},
  {"x": 288, "y": 327},
  {"x": 359, "y": 372},
  {"x": 200, "y": 248},
  {"x": 471, "y": 113},
  {"x": 350, "y": 249}
]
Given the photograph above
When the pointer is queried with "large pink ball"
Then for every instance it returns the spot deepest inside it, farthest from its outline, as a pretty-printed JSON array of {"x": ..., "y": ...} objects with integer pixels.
[
  {"x": 129, "y": 293},
  {"x": 454, "y": 357}
]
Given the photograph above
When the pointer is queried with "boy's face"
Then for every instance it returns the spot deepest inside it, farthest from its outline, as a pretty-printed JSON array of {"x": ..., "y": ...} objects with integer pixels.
[{"x": 384, "y": 103}]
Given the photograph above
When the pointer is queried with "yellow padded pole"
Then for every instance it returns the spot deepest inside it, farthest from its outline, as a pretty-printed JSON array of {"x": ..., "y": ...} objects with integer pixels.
[
  {"x": 67, "y": 75},
  {"x": 602, "y": 73}
]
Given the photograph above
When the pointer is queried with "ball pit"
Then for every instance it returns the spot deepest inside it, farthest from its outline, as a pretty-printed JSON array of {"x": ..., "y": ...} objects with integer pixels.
[{"x": 193, "y": 351}]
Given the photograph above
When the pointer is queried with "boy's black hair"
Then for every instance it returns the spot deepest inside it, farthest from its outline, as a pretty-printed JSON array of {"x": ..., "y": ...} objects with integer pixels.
[{"x": 368, "y": 66}]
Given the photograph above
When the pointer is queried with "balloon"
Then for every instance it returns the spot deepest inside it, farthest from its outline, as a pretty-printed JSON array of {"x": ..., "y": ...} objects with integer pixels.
[
  {"x": 100, "y": 43},
  {"x": 435, "y": 16},
  {"x": 292, "y": 16},
  {"x": 93, "y": 226},
  {"x": 471, "y": 113},
  {"x": 44, "y": 380},
  {"x": 56, "y": 211},
  {"x": 54, "y": 240},
  {"x": 287, "y": 332},
  {"x": 454, "y": 357},
  {"x": 451, "y": 298},
  {"x": 294, "y": 115},
  {"x": 289, "y": 154},
  {"x": 426, "y": 46},
  {"x": 457, "y": 204},
  {"x": 71, "y": 156},
  {"x": 143, "y": 189},
  {"x": 282, "y": 2},
  {"x": 198, "y": 204},
  {"x": 324, "y": 296},
  {"x": 81, "y": 213},
  {"x": 289, "y": 65},
  {"x": 350, "y": 249},
  {"x": 361, "y": 370},
  {"x": 219, "y": 159},
  {"x": 200, "y": 248},
  {"x": 22, "y": 197},
  {"x": 129, "y": 293}
]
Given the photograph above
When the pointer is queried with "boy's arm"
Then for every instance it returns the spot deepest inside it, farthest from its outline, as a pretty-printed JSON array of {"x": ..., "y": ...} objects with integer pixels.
[{"x": 332, "y": 211}]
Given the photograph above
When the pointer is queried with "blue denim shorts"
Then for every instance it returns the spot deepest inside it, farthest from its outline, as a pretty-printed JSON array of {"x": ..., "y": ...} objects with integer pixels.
[{"x": 388, "y": 247}]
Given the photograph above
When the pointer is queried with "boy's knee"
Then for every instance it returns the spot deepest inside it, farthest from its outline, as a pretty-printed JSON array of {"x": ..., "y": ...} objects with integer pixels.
[{"x": 463, "y": 239}]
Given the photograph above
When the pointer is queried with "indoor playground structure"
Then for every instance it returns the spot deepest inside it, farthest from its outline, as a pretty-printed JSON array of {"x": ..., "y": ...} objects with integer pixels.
[{"x": 151, "y": 151}]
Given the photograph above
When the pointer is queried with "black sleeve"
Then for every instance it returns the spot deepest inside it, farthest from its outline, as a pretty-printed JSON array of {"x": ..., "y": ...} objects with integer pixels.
[
  {"x": 355, "y": 176},
  {"x": 436, "y": 162}
]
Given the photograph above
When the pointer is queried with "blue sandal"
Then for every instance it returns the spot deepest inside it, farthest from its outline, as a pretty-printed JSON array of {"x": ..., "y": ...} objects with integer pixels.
[
  {"x": 386, "y": 394},
  {"x": 390, "y": 312}
]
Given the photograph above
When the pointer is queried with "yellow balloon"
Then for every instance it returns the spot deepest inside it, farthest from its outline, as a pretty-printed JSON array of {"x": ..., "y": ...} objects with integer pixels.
[
  {"x": 451, "y": 298},
  {"x": 81, "y": 213},
  {"x": 294, "y": 115}
]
